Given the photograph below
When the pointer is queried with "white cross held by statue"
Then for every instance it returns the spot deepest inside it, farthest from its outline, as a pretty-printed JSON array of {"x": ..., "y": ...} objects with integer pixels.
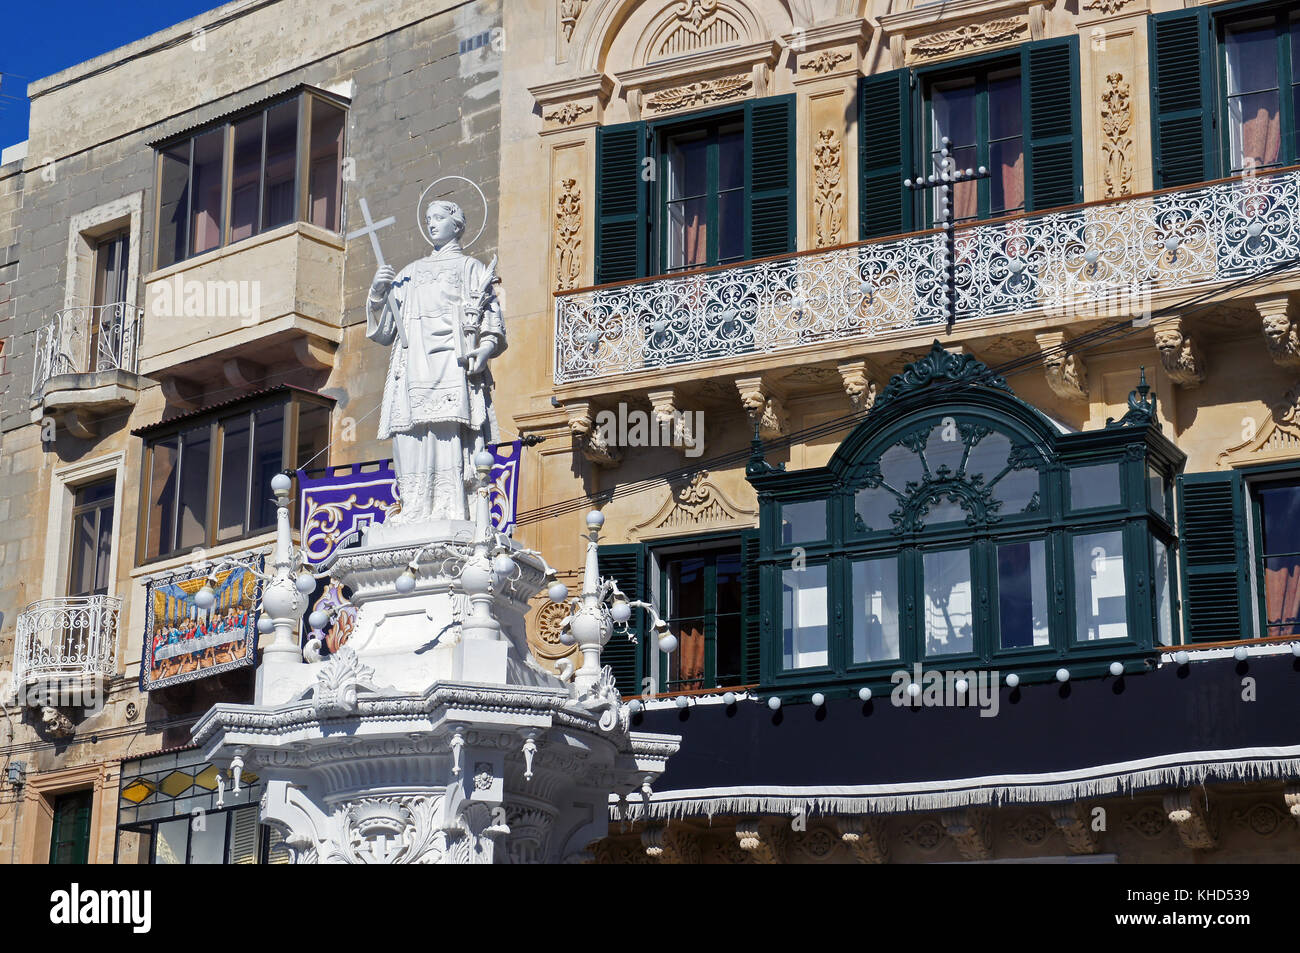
[{"x": 369, "y": 231}]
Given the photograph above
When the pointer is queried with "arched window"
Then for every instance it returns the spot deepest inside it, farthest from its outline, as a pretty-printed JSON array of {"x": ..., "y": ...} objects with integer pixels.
[{"x": 959, "y": 528}]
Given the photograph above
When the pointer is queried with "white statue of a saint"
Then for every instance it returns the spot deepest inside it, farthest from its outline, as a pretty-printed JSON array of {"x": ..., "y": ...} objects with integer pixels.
[{"x": 441, "y": 317}]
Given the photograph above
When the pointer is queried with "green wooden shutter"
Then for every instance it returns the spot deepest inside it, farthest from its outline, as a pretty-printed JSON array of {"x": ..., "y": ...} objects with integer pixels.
[
  {"x": 622, "y": 213},
  {"x": 750, "y": 608},
  {"x": 1053, "y": 161},
  {"x": 1215, "y": 563},
  {"x": 1182, "y": 96},
  {"x": 770, "y": 173},
  {"x": 885, "y": 154},
  {"x": 625, "y": 563}
]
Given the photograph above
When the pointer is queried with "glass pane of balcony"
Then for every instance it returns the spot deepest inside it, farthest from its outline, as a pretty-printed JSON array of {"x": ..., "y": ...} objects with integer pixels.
[{"x": 949, "y": 608}]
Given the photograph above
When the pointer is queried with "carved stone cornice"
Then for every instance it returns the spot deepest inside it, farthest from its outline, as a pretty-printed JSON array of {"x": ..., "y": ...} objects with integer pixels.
[
  {"x": 1281, "y": 321},
  {"x": 931, "y": 32},
  {"x": 971, "y": 830},
  {"x": 572, "y": 104},
  {"x": 865, "y": 838},
  {"x": 1193, "y": 819},
  {"x": 1066, "y": 374},
  {"x": 694, "y": 506},
  {"x": 699, "y": 79},
  {"x": 1073, "y": 821},
  {"x": 1179, "y": 353},
  {"x": 764, "y": 404}
]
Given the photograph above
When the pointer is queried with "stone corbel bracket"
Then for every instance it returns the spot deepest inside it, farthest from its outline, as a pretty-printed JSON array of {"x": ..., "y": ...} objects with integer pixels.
[
  {"x": 676, "y": 426},
  {"x": 971, "y": 830},
  {"x": 587, "y": 437},
  {"x": 1074, "y": 823},
  {"x": 1193, "y": 818},
  {"x": 1281, "y": 329},
  {"x": 765, "y": 405},
  {"x": 861, "y": 383},
  {"x": 1179, "y": 354},
  {"x": 670, "y": 845},
  {"x": 865, "y": 838},
  {"x": 765, "y": 843},
  {"x": 1066, "y": 374},
  {"x": 573, "y": 104}
]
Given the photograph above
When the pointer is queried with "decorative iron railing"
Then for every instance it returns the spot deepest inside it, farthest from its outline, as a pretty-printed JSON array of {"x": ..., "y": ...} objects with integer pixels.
[
  {"x": 85, "y": 340},
  {"x": 1108, "y": 259},
  {"x": 66, "y": 638}
]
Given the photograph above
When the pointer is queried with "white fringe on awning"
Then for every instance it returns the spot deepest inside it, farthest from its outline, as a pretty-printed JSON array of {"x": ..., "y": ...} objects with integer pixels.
[{"x": 1185, "y": 769}]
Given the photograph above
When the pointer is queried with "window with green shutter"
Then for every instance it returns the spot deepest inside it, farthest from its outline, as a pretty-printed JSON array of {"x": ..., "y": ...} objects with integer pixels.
[
  {"x": 885, "y": 154},
  {"x": 711, "y": 188},
  {"x": 70, "y": 833},
  {"x": 701, "y": 597},
  {"x": 1212, "y": 533},
  {"x": 1181, "y": 87}
]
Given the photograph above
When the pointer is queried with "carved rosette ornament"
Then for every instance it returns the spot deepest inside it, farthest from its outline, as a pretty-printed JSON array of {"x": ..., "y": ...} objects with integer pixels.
[
  {"x": 1066, "y": 374},
  {"x": 568, "y": 235},
  {"x": 1281, "y": 329},
  {"x": 1179, "y": 354},
  {"x": 828, "y": 195},
  {"x": 1117, "y": 144}
]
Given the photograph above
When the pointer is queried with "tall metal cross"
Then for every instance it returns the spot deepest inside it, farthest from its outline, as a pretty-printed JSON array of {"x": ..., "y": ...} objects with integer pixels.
[
  {"x": 369, "y": 231},
  {"x": 944, "y": 179}
]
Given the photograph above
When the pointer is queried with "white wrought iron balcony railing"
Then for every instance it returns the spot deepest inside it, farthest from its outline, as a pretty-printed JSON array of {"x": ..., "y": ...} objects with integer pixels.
[
  {"x": 1104, "y": 259},
  {"x": 85, "y": 340},
  {"x": 65, "y": 639}
]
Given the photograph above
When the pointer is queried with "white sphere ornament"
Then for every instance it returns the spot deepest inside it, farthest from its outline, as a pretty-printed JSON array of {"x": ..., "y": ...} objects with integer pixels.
[
  {"x": 907, "y": 183},
  {"x": 595, "y": 519},
  {"x": 305, "y": 583},
  {"x": 729, "y": 699},
  {"x": 774, "y": 702},
  {"x": 668, "y": 643},
  {"x": 914, "y": 689},
  {"x": 567, "y": 637},
  {"x": 1295, "y": 649},
  {"x": 634, "y": 706},
  {"x": 961, "y": 686},
  {"x": 280, "y": 483},
  {"x": 1117, "y": 669},
  {"x": 265, "y": 625},
  {"x": 1240, "y": 653},
  {"x": 1181, "y": 658},
  {"x": 318, "y": 619},
  {"x": 484, "y": 460},
  {"x": 818, "y": 699},
  {"x": 558, "y": 592},
  {"x": 503, "y": 565},
  {"x": 1062, "y": 674},
  {"x": 864, "y": 694},
  {"x": 620, "y": 611},
  {"x": 586, "y": 628},
  {"x": 405, "y": 582},
  {"x": 1012, "y": 680},
  {"x": 205, "y": 598},
  {"x": 681, "y": 701}
]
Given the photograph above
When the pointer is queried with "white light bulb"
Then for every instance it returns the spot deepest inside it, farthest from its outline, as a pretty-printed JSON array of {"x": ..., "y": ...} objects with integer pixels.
[
  {"x": 306, "y": 583},
  {"x": 667, "y": 643},
  {"x": 1012, "y": 680},
  {"x": 280, "y": 483},
  {"x": 681, "y": 701},
  {"x": 595, "y": 519},
  {"x": 729, "y": 699},
  {"x": 914, "y": 689},
  {"x": 405, "y": 582},
  {"x": 907, "y": 183},
  {"x": 774, "y": 702},
  {"x": 265, "y": 625},
  {"x": 318, "y": 619},
  {"x": 1240, "y": 653},
  {"x": 1295, "y": 649},
  {"x": 205, "y": 598},
  {"x": 558, "y": 592},
  {"x": 634, "y": 706},
  {"x": 818, "y": 699},
  {"x": 503, "y": 565},
  {"x": 864, "y": 694},
  {"x": 983, "y": 170},
  {"x": 1062, "y": 674},
  {"x": 1117, "y": 669},
  {"x": 567, "y": 637},
  {"x": 620, "y": 611},
  {"x": 961, "y": 685},
  {"x": 1181, "y": 658}
]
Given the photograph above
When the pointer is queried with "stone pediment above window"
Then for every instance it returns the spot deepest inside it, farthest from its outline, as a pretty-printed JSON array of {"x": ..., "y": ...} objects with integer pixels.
[
  {"x": 919, "y": 33},
  {"x": 700, "y": 80},
  {"x": 1277, "y": 438}
]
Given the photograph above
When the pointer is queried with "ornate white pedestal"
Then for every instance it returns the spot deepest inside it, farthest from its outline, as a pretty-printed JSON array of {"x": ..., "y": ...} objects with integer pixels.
[{"x": 433, "y": 736}]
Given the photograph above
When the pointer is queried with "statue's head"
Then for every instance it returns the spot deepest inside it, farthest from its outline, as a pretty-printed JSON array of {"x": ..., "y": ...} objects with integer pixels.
[
  {"x": 445, "y": 221},
  {"x": 1277, "y": 328},
  {"x": 1169, "y": 340}
]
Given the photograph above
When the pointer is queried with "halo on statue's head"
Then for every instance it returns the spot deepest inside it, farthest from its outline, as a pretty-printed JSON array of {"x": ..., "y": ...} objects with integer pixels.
[{"x": 420, "y": 209}]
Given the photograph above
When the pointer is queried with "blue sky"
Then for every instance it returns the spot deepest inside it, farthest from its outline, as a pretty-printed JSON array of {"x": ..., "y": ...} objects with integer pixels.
[{"x": 40, "y": 39}]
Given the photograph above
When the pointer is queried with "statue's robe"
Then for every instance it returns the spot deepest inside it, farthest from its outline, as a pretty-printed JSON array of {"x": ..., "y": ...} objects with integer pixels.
[{"x": 436, "y": 413}]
